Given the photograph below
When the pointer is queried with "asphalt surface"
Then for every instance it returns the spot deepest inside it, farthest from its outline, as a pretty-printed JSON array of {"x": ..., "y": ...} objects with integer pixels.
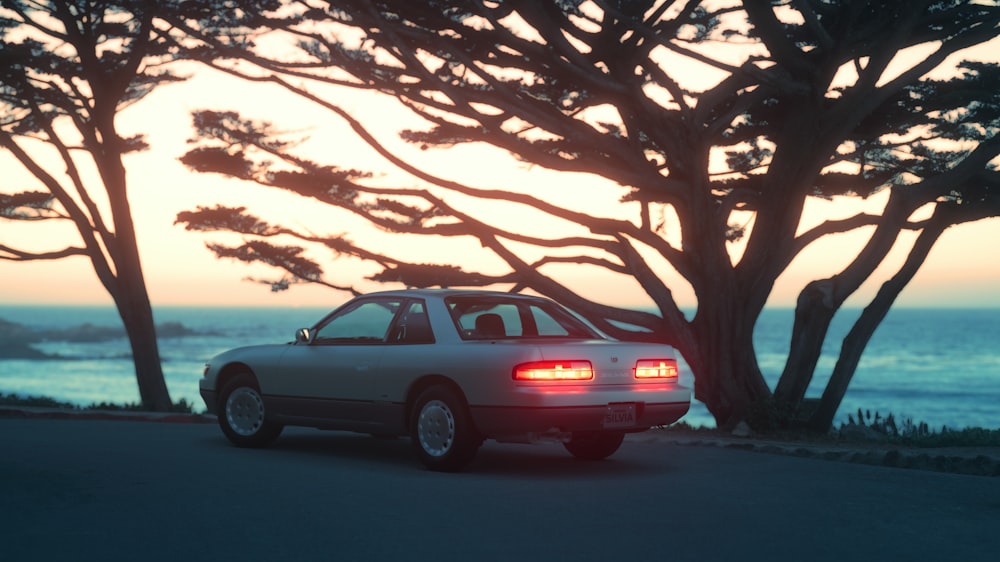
[
  {"x": 977, "y": 461},
  {"x": 125, "y": 489}
]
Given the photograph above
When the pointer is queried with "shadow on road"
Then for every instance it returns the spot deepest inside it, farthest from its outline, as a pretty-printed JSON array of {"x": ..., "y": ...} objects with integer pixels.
[{"x": 499, "y": 460}]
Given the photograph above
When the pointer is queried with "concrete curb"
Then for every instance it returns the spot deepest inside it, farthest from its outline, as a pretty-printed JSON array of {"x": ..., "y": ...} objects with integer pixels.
[{"x": 974, "y": 461}]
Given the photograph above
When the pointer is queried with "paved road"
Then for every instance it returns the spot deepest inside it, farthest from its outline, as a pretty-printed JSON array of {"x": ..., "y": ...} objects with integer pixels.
[{"x": 125, "y": 490}]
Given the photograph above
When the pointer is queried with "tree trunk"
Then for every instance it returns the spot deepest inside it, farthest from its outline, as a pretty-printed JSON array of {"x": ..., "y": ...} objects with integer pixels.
[
  {"x": 728, "y": 379},
  {"x": 819, "y": 302},
  {"x": 864, "y": 327},
  {"x": 814, "y": 311},
  {"x": 132, "y": 299},
  {"x": 850, "y": 355},
  {"x": 136, "y": 313},
  {"x": 128, "y": 284}
]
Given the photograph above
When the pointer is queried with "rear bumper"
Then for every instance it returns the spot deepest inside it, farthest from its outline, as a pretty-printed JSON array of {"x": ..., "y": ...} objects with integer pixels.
[{"x": 492, "y": 421}]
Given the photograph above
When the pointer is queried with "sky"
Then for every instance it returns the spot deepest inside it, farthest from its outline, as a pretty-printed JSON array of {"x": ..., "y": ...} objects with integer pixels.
[{"x": 963, "y": 270}]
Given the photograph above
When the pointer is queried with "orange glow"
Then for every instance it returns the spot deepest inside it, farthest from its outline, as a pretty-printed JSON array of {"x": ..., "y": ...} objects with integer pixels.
[
  {"x": 961, "y": 271},
  {"x": 656, "y": 369},
  {"x": 554, "y": 371}
]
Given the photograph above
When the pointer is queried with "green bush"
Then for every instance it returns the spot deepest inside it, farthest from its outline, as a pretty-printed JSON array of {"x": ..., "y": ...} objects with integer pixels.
[
  {"x": 779, "y": 425},
  {"x": 919, "y": 434}
]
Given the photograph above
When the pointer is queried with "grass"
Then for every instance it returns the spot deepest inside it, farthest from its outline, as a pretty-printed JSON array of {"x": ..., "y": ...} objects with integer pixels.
[
  {"x": 920, "y": 434},
  {"x": 869, "y": 428},
  {"x": 182, "y": 406}
]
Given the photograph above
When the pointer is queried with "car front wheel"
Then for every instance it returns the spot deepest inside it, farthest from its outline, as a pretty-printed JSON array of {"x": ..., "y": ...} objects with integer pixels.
[
  {"x": 594, "y": 445},
  {"x": 442, "y": 430},
  {"x": 242, "y": 416}
]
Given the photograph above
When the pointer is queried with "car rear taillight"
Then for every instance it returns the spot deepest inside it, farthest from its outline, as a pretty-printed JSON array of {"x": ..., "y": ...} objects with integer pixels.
[
  {"x": 554, "y": 371},
  {"x": 664, "y": 369}
]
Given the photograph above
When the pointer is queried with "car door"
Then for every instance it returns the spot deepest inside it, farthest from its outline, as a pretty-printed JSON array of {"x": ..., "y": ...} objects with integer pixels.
[{"x": 333, "y": 374}]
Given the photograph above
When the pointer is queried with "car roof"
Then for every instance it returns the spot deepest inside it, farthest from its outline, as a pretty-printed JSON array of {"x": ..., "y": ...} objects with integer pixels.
[{"x": 443, "y": 293}]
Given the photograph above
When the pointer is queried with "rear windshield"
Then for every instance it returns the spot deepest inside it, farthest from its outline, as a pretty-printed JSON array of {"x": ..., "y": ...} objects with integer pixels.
[{"x": 488, "y": 318}]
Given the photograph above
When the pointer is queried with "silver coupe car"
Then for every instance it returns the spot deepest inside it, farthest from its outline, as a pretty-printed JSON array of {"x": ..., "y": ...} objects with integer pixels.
[{"x": 450, "y": 368}]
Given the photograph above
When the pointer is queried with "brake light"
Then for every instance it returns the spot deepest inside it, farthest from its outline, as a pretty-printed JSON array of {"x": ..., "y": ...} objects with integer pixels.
[
  {"x": 554, "y": 371},
  {"x": 656, "y": 369}
]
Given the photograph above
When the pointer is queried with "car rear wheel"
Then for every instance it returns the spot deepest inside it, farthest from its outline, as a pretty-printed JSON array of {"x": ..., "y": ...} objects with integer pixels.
[
  {"x": 242, "y": 416},
  {"x": 594, "y": 445},
  {"x": 442, "y": 430}
]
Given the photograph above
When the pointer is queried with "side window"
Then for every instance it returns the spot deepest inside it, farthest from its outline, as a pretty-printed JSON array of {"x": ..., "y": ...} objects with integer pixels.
[
  {"x": 546, "y": 324},
  {"x": 494, "y": 317},
  {"x": 501, "y": 320},
  {"x": 413, "y": 325},
  {"x": 366, "y": 322}
]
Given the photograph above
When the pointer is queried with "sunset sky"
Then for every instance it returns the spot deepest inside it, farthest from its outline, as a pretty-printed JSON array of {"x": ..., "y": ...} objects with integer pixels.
[{"x": 963, "y": 270}]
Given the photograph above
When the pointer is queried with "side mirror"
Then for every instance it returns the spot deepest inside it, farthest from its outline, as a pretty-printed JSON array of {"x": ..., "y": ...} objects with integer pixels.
[{"x": 302, "y": 335}]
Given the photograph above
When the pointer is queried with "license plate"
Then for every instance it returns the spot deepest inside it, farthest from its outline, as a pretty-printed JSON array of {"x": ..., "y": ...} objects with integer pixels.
[{"x": 619, "y": 416}]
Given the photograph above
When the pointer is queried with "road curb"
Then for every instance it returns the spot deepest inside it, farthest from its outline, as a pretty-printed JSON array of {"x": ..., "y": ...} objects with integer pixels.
[{"x": 974, "y": 461}]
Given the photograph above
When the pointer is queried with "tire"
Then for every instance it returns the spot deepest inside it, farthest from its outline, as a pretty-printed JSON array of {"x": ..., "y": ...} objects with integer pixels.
[
  {"x": 442, "y": 431},
  {"x": 594, "y": 445},
  {"x": 242, "y": 416}
]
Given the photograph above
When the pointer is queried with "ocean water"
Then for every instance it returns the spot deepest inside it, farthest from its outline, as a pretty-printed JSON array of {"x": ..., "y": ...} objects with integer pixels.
[{"x": 939, "y": 366}]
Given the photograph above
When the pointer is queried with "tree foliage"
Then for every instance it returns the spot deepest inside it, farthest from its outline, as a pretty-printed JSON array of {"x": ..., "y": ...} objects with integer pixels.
[{"x": 807, "y": 99}]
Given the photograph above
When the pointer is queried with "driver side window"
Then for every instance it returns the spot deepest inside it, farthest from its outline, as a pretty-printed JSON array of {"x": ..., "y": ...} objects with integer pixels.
[{"x": 366, "y": 322}]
